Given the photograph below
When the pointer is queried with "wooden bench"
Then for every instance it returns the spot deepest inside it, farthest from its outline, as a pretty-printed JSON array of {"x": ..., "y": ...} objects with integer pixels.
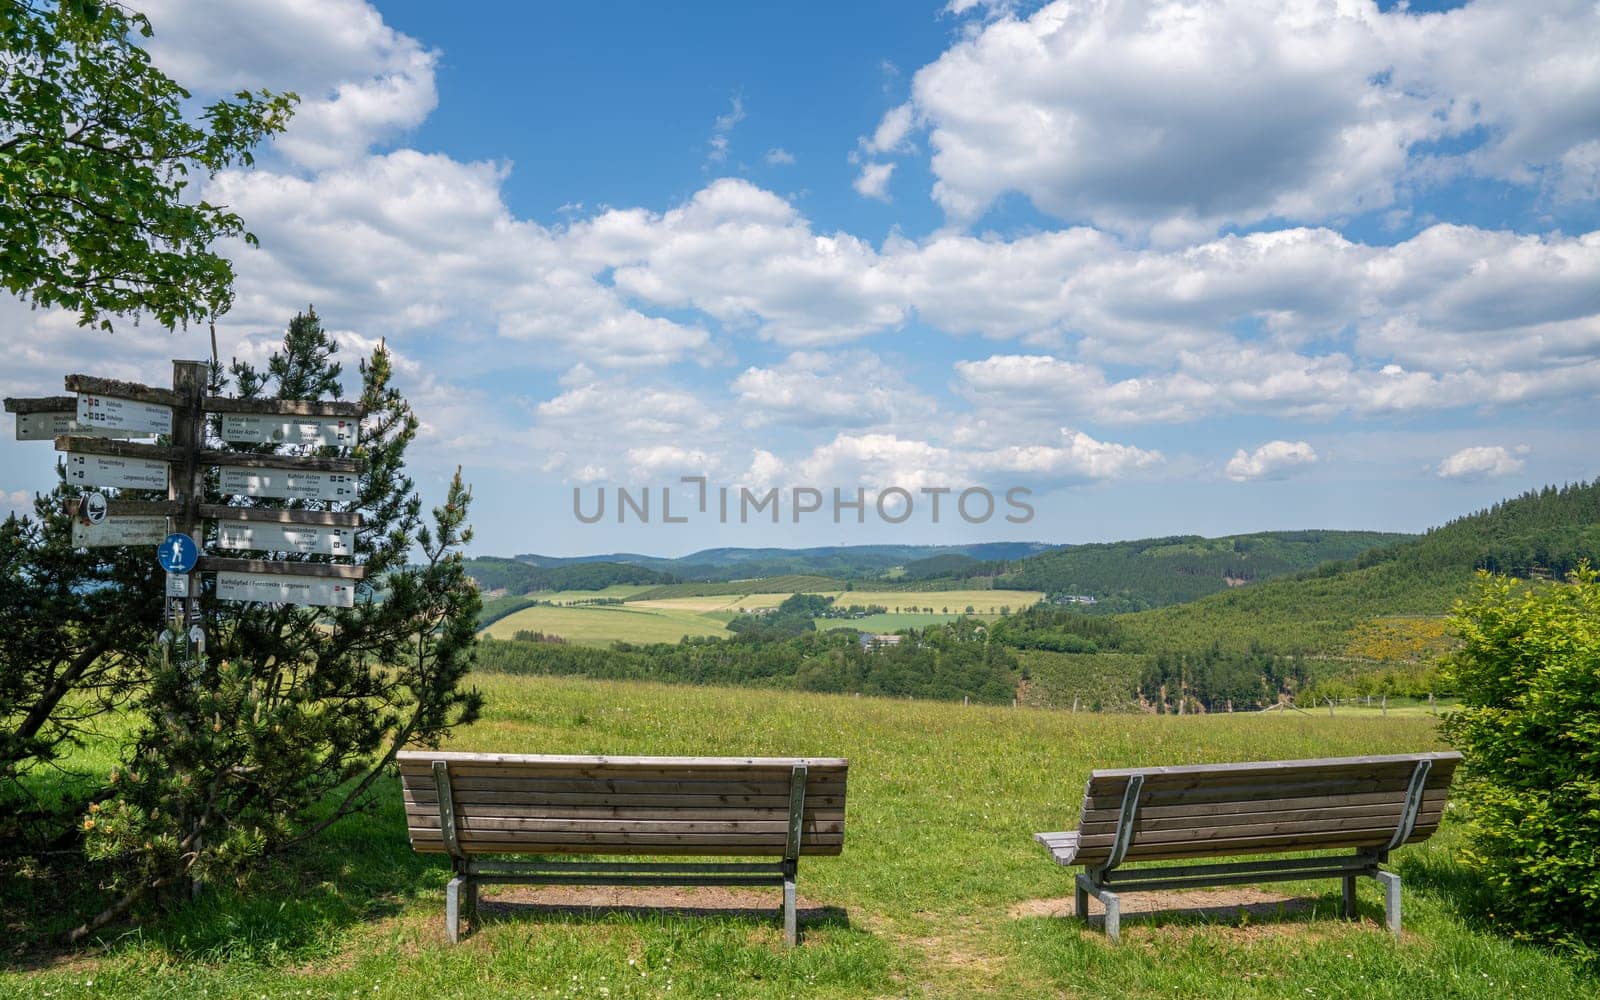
[
  {"x": 469, "y": 805},
  {"x": 1163, "y": 814}
]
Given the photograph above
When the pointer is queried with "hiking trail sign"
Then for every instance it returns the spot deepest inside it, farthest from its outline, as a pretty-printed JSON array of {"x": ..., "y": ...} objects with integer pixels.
[{"x": 91, "y": 426}]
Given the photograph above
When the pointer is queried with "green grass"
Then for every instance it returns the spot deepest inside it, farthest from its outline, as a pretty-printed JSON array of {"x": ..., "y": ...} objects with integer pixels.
[{"x": 943, "y": 802}]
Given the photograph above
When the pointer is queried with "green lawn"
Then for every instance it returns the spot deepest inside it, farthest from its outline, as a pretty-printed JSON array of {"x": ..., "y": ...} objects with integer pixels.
[{"x": 938, "y": 893}]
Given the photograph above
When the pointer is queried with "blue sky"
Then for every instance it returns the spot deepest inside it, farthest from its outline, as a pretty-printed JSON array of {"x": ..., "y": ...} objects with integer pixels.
[{"x": 1177, "y": 267}]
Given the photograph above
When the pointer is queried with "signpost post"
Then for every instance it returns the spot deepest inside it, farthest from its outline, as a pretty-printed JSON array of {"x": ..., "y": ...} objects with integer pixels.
[{"x": 86, "y": 426}]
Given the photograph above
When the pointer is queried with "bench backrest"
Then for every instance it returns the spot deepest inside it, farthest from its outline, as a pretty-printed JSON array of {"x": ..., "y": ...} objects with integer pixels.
[
  {"x": 536, "y": 804},
  {"x": 1272, "y": 806}
]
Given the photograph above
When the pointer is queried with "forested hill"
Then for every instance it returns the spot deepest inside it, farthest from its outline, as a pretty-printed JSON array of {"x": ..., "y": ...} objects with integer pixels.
[
  {"x": 848, "y": 562},
  {"x": 1155, "y": 572},
  {"x": 516, "y": 577},
  {"x": 1542, "y": 534}
]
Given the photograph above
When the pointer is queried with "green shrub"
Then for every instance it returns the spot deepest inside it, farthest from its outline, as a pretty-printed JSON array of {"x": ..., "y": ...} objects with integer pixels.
[{"x": 1529, "y": 678}]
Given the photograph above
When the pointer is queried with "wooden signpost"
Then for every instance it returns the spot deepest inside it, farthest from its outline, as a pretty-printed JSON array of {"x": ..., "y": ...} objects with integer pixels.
[{"x": 86, "y": 427}]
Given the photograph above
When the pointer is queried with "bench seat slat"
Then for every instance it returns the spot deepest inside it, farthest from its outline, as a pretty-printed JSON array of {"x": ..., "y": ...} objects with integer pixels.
[
  {"x": 636, "y": 849},
  {"x": 424, "y": 769},
  {"x": 431, "y": 812},
  {"x": 1431, "y": 799},
  {"x": 1205, "y": 822},
  {"x": 727, "y": 785},
  {"x": 467, "y": 800},
  {"x": 454, "y": 757},
  {"x": 473, "y": 824}
]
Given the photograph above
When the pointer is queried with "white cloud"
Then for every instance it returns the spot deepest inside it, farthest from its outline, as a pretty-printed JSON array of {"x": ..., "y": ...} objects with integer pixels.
[
  {"x": 1273, "y": 460},
  {"x": 813, "y": 388},
  {"x": 359, "y": 80},
  {"x": 722, "y": 129},
  {"x": 1177, "y": 117},
  {"x": 409, "y": 242},
  {"x": 881, "y": 460},
  {"x": 892, "y": 132},
  {"x": 1482, "y": 462},
  {"x": 873, "y": 181},
  {"x": 777, "y": 156},
  {"x": 747, "y": 258}
]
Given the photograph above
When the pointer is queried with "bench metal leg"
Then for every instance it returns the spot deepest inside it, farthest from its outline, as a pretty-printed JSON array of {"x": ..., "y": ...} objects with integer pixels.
[
  {"x": 452, "y": 907},
  {"x": 1082, "y": 901},
  {"x": 1391, "y": 900},
  {"x": 1349, "y": 897},
  {"x": 1113, "y": 907},
  {"x": 791, "y": 930}
]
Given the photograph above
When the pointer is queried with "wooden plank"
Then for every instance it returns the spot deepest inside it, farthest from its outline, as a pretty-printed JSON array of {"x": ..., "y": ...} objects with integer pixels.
[
  {"x": 1434, "y": 797},
  {"x": 89, "y": 385},
  {"x": 688, "y": 850},
  {"x": 283, "y": 407},
  {"x": 526, "y": 823},
  {"x": 278, "y": 515},
  {"x": 1352, "y": 825},
  {"x": 1319, "y": 764},
  {"x": 467, "y": 799},
  {"x": 456, "y": 756},
  {"x": 41, "y": 404},
  {"x": 79, "y": 444},
  {"x": 1248, "y": 793},
  {"x": 600, "y": 771},
  {"x": 1215, "y": 820},
  {"x": 771, "y": 813},
  {"x": 585, "y": 837},
  {"x": 639, "y": 785},
  {"x": 132, "y": 508},
  {"x": 217, "y": 564}
]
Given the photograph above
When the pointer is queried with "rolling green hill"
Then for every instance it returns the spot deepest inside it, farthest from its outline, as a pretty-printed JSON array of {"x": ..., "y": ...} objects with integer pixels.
[
  {"x": 1154, "y": 572},
  {"x": 1540, "y": 535},
  {"x": 517, "y": 577}
]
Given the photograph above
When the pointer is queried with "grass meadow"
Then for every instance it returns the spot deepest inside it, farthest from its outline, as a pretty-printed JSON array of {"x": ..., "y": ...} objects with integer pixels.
[{"x": 940, "y": 891}]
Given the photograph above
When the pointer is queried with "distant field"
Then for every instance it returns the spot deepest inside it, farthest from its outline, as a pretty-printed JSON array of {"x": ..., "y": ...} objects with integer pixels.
[
  {"x": 983, "y": 602},
  {"x": 616, "y": 590},
  {"x": 945, "y": 603},
  {"x": 651, "y": 618},
  {"x": 604, "y": 625},
  {"x": 884, "y": 623}
]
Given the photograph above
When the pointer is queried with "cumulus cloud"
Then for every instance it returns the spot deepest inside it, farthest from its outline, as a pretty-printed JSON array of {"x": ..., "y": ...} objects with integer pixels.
[
  {"x": 1273, "y": 460},
  {"x": 1177, "y": 117},
  {"x": 813, "y": 388},
  {"x": 882, "y": 460},
  {"x": 359, "y": 80},
  {"x": 1481, "y": 462},
  {"x": 873, "y": 180},
  {"x": 777, "y": 156}
]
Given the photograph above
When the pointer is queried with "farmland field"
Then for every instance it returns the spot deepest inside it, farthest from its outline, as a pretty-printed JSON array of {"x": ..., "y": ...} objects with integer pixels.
[
  {"x": 668, "y": 619},
  {"x": 940, "y": 891},
  {"x": 605, "y": 624}
]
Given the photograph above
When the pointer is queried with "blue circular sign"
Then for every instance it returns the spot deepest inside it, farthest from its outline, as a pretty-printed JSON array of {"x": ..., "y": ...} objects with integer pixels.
[{"x": 177, "y": 553}]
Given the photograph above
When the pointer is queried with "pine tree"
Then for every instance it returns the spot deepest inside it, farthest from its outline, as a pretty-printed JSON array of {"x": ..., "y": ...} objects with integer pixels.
[{"x": 284, "y": 725}]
